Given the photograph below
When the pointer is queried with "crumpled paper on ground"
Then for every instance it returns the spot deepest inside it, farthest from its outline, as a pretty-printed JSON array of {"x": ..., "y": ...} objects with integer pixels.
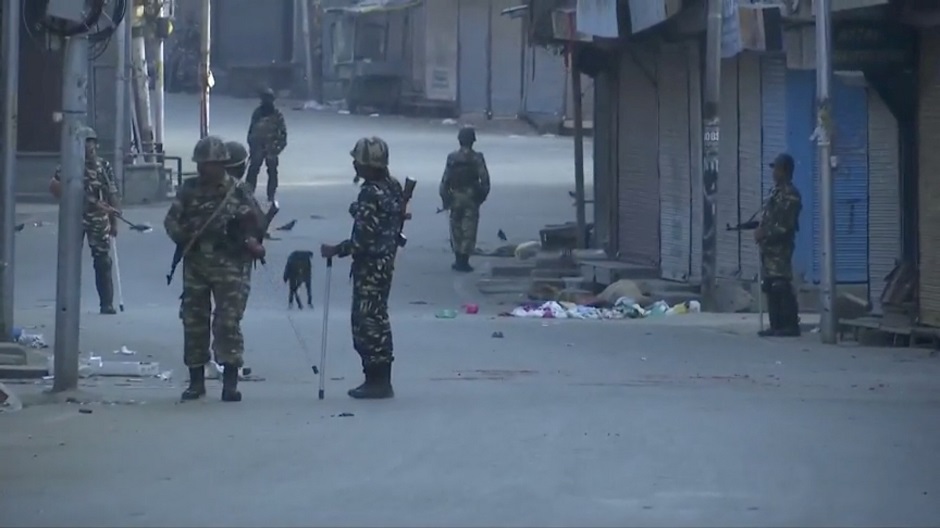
[{"x": 624, "y": 308}]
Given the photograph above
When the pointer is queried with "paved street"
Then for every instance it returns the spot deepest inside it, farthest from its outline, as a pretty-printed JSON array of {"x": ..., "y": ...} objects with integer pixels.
[{"x": 683, "y": 421}]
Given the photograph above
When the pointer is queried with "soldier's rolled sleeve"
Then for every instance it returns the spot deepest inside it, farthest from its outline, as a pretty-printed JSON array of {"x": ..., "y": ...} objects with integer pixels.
[
  {"x": 281, "y": 140},
  {"x": 444, "y": 189},
  {"x": 171, "y": 223},
  {"x": 484, "y": 177},
  {"x": 784, "y": 218},
  {"x": 366, "y": 225}
]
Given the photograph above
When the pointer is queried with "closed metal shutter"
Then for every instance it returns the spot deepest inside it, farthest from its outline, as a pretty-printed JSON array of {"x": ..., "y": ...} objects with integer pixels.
[
  {"x": 800, "y": 121},
  {"x": 674, "y": 167},
  {"x": 696, "y": 147},
  {"x": 884, "y": 213},
  {"x": 928, "y": 183},
  {"x": 850, "y": 186},
  {"x": 750, "y": 156},
  {"x": 728, "y": 244},
  {"x": 638, "y": 171},
  {"x": 472, "y": 33},
  {"x": 507, "y": 61}
]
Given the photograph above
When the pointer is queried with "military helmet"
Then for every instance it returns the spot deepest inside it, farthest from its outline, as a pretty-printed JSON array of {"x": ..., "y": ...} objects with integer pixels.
[
  {"x": 91, "y": 134},
  {"x": 467, "y": 135},
  {"x": 371, "y": 152},
  {"x": 266, "y": 93},
  {"x": 211, "y": 149},
  {"x": 237, "y": 152}
]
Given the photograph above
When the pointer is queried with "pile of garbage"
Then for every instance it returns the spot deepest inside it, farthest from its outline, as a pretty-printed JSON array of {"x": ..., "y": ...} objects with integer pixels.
[{"x": 623, "y": 308}]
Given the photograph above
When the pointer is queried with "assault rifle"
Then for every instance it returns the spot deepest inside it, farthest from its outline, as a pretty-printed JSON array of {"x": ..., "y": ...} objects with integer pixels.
[
  {"x": 408, "y": 192},
  {"x": 748, "y": 225}
]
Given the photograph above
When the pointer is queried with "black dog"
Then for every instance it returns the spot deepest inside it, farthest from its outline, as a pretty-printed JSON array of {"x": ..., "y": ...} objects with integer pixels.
[{"x": 297, "y": 271}]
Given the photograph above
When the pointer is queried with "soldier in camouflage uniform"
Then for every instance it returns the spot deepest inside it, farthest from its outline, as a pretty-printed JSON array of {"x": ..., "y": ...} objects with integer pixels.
[
  {"x": 377, "y": 218},
  {"x": 214, "y": 266},
  {"x": 464, "y": 187},
  {"x": 267, "y": 137},
  {"x": 776, "y": 236},
  {"x": 238, "y": 161},
  {"x": 99, "y": 221}
]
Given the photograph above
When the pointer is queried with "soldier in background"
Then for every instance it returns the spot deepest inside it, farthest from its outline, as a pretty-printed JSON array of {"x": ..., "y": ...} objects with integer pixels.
[
  {"x": 102, "y": 203},
  {"x": 377, "y": 218},
  {"x": 267, "y": 137},
  {"x": 464, "y": 187},
  {"x": 776, "y": 238},
  {"x": 214, "y": 266}
]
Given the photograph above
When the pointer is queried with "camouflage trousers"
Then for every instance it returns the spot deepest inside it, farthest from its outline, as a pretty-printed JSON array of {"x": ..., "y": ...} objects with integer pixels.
[
  {"x": 371, "y": 329},
  {"x": 777, "y": 261},
  {"x": 270, "y": 161},
  {"x": 224, "y": 281},
  {"x": 97, "y": 229},
  {"x": 463, "y": 229}
]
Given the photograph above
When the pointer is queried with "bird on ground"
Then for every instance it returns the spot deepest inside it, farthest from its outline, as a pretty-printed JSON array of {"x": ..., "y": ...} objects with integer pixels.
[
  {"x": 20, "y": 227},
  {"x": 502, "y": 236},
  {"x": 288, "y": 226}
]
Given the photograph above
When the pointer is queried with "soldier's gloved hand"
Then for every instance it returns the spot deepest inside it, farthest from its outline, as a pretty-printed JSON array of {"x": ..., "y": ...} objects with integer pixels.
[
  {"x": 254, "y": 247},
  {"x": 758, "y": 234},
  {"x": 114, "y": 229},
  {"x": 328, "y": 251}
]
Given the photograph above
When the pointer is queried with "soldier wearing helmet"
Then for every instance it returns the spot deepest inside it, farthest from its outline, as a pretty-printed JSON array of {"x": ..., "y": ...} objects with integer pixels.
[
  {"x": 464, "y": 187},
  {"x": 102, "y": 203},
  {"x": 267, "y": 137},
  {"x": 215, "y": 267},
  {"x": 377, "y": 218},
  {"x": 238, "y": 159}
]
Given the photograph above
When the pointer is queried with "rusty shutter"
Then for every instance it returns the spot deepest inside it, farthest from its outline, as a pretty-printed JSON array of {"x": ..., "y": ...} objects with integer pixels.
[
  {"x": 929, "y": 184},
  {"x": 638, "y": 163},
  {"x": 884, "y": 191}
]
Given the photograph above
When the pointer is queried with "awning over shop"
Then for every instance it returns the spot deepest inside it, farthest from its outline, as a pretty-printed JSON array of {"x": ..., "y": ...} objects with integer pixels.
[
  {"x": 365, "y": 7},
  {"x": 515, "y": 11}
]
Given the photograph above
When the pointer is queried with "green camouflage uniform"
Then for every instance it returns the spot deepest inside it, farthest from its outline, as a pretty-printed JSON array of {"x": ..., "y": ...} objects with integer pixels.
[
  {"x": 779, "y": 223},
  {"x": 377, "y": 218},
  {"x": 216, "y": 266},
  {"x": 100, "y": 187},
  {"x": 464, "y": 187},
  {"x": 267, "y": 138}
]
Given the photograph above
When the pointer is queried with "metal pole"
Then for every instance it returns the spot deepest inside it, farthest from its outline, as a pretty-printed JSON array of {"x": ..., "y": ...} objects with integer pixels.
[
  {"x": 578, "y": 149},
  {"x": 142, "y": 89},
  {"x": 120, "y": 96},
  {"x": 829, "y": 319},
  {"x": 205, "y": 70},
  {"x": 308, "y": 45},
  {"x": 11, "y": 51},
  {"x": 159, "y": 87},
  {"x": 69, "y": 274},
  {"x": 711, "y": 117}
]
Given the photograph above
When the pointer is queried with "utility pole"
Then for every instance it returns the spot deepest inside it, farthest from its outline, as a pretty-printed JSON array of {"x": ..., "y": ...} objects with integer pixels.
[
  {"x": 711, "y": 117},
  {"x": 11, "y": 53},
  {"x": 578, "y": 148},
  {"x": 69, "y": 274},
  {"x": 159, "y": 83},
  {"x": 308, "y": 46},
  {"x": 142, "y": 86},
  {"x": 823, "y": 135},
  {"x": 205, "y": 70},
  {"x": 120, "y": 95}
]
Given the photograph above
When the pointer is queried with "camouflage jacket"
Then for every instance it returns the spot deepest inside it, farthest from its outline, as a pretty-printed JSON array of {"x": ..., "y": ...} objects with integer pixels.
[
  {"x": 99, "y": 186},
  {"x": 780, "y": 217},
  {"x": 466, "y": 180},
  {"x": 377, "y": 217},
  {"x": 197, "y": 201},
  {"x": 267, "y": 131}
]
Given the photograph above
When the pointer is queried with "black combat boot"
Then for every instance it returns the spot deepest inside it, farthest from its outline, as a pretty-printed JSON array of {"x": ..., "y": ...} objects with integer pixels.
[
  {"x": 463, "y": 263},
  {"x": 378, "y": 384},
  {"x": 197, "y": 384},
  {"x": 105, "y": 286},
  {"x": 230, "y": 391}
]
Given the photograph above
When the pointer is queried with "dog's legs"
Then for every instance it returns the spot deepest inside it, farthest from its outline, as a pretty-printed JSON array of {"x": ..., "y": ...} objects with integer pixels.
[{"x": 309, "y": 295}]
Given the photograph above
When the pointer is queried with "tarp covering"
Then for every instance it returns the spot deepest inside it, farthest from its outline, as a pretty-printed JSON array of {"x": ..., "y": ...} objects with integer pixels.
[{"x": 364, "y": 7}]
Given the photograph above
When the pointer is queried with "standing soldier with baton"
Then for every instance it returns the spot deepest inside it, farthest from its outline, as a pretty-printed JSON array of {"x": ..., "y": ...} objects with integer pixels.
[{"x": 378, "y": 215}]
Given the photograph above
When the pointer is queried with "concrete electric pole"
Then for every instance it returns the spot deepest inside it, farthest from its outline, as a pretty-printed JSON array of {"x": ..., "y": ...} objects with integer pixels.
[
  {"x": 69, "y": 274},
  {"x": 205, "y": 70},
  {"x": 829, "y": 319},
  {"x": 711, "y": 116},
  {"x": 11, "y": 66}
]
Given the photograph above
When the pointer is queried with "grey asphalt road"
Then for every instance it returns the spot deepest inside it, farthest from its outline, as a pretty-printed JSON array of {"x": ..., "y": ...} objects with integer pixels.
[{"x": 685, "y": 421}]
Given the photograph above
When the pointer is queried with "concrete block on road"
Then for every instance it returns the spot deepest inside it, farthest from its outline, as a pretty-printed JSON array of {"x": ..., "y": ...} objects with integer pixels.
[{"x": 13, "y": 354}]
